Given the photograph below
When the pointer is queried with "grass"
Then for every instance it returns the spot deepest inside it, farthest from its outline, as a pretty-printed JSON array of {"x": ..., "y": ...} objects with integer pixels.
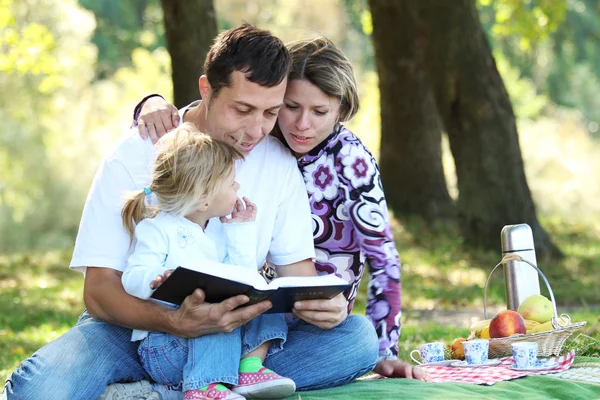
[{"x": 40, "y": 298}]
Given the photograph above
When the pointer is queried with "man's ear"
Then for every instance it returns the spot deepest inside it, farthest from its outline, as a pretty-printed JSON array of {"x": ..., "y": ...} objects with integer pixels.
[{"x": 204, "y": 87}]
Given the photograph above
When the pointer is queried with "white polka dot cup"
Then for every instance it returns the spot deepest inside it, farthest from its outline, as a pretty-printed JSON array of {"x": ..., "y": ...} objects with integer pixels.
[
  {"x": 476, "y": 351},
  {"x": 525, "y": 354},
  {"x": 429, "y": 353}
]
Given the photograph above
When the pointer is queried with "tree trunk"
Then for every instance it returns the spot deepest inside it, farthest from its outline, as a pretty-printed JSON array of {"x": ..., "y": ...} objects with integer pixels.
[
  {"x": 480, "y": 123},
  {"x": 410, "y": 154},
  {"x": 190, "y": 27}
]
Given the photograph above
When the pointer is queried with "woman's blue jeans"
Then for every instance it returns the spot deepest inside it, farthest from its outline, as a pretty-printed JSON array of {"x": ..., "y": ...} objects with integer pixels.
[
  {"x": 215, "y": 358},
  {"x": 94, "y": 354}
]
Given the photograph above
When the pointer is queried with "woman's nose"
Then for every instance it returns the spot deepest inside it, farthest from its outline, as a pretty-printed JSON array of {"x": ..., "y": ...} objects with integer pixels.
[{"x": 303, "y": 123}]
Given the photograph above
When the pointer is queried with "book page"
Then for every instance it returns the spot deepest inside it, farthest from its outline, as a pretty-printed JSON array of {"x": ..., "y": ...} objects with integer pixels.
[
  {"x": 236, "y": 273},
  {"x": 307, "y": 281}
]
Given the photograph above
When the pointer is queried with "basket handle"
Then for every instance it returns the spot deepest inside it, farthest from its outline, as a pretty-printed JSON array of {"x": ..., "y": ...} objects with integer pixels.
[{"x": 556, "y": 320}]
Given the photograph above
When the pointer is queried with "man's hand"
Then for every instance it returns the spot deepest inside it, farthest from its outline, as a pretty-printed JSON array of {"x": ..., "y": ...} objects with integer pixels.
[
  {"x": 197, "y": 318},
  {"x": 399, "y": 369},
  {"x": 240, "y": 213},
  {"x": 156, "y": 118},
  {"x": 106, "y": 299},
  {"x": 325, "y": 314}
]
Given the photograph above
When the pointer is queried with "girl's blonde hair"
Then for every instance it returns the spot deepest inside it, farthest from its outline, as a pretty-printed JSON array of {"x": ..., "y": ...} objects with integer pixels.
[
  {"x": 188, "y": 166},
  {"x": 320, "y": 62}
]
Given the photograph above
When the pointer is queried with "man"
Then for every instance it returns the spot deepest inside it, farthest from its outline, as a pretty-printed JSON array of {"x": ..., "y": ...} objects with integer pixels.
[{"x": 242, "y": 91}]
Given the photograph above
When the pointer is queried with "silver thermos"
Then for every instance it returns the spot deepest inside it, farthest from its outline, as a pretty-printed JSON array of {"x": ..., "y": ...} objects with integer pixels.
[{"x": 521, "y": 280}]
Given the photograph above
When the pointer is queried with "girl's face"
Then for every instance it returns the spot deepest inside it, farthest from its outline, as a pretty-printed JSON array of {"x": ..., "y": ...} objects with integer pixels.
[
  {"x": 221, "y": 203},
  {"x": 308, "y": 116}
]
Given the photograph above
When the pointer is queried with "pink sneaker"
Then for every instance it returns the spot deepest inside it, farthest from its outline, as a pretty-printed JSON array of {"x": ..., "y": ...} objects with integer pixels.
[
  {"x": 264, "y": 384},
  {"x": 211, "y": 393}
]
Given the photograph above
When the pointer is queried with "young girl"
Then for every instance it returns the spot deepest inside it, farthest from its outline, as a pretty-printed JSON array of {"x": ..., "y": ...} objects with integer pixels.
[{"x": 193, "y": 181}]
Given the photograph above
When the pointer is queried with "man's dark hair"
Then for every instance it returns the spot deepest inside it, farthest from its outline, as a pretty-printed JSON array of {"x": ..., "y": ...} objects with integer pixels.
[{"x": 262, "y": 57}]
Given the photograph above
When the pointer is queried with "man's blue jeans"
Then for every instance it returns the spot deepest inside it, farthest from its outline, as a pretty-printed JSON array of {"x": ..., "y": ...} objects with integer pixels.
[
  {"x": 200, "y": 361},
  {"x": 94, "y": 354}
]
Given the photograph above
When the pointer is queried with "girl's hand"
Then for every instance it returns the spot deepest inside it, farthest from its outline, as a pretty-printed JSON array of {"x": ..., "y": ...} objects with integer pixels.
[
  {"x": 240, "y": 213},
  {"x": 160, "y": 279}
]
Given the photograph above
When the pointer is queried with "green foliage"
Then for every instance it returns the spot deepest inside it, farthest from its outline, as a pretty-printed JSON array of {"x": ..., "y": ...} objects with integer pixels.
[
  {"x": 530, "y": 21},
  {"x": 554, "y": 45},
  {"x": 58, "y": 122},
  {"x": 41, "y": 54},
  {"x": 526, "y": 101},
  {"x": 123, "y": 26}
]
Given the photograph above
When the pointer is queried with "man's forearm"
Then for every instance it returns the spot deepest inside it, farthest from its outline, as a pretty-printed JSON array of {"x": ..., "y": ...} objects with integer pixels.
[{"x": 106, "y": 299}]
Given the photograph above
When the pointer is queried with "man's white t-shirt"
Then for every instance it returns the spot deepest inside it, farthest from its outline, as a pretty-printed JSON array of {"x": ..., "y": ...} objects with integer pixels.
[{"x": 268, "y": 176}]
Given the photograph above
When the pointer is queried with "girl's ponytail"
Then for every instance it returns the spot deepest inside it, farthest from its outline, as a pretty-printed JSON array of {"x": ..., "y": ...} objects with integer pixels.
[{"x": 133, "y": 212}]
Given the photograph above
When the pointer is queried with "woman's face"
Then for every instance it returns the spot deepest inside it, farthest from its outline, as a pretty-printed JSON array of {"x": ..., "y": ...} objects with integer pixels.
[{"x": 308, "y": 116}]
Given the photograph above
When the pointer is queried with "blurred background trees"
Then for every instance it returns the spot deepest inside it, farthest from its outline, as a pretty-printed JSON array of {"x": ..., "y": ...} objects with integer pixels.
[{"x": 71, "y": 72}]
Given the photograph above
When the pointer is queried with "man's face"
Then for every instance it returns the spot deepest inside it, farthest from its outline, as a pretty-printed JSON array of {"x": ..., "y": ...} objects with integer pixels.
[{"x": 244, "y": 113}]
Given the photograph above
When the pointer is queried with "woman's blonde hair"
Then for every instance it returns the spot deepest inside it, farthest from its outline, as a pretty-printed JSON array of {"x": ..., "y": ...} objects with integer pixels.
[
  {"x": 320, "y": 62},
  {"x": 188, "y": 166}
]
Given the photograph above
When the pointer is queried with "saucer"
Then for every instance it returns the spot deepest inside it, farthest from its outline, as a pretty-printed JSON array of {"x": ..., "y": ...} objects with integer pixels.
[
  {"x": 539, "y": 366},
  {"x": 444, "y": 363},
  {"x": 488, "y": 363}
]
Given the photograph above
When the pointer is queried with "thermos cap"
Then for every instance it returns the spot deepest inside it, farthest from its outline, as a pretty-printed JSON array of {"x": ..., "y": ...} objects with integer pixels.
[{"x": 516, "y": 238}]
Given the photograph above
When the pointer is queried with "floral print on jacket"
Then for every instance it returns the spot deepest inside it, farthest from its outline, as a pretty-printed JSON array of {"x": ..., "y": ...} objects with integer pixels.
[{"x": 351, "y": 227}]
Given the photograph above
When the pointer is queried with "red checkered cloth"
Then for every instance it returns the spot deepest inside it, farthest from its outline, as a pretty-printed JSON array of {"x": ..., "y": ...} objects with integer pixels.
[{"x": 491, "y": 375}]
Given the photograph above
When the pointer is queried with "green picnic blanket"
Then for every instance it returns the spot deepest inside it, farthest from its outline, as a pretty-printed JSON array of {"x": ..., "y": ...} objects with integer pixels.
[{"x": 530, "y": 388}]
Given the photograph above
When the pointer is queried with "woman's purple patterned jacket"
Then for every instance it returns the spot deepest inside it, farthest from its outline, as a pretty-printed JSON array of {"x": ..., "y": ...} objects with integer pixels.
[{"x": 351, "y": 226}]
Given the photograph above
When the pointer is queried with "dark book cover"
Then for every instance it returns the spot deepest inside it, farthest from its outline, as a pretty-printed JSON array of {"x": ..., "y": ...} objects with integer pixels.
[{"x": 183, "y": 282}]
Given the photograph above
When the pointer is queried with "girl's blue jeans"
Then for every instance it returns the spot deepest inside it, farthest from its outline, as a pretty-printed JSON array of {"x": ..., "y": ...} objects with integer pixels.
[
  {"x": 93, "y": 354},
  {"x": 215, "y": 358}
]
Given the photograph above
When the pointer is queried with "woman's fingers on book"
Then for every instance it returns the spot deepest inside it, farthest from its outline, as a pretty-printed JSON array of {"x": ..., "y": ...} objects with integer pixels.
[
  {"x": 324, "y": 320},
  {"x": 325, "y": 314}
]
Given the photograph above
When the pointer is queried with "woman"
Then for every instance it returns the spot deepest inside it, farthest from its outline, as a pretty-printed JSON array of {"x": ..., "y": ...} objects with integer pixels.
[{"x": 350, "y": 217}]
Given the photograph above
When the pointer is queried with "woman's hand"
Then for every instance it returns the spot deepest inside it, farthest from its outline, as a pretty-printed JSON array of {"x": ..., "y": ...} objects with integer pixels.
[
  {"x": 240, "y": 213},
  {"x": 160, "y": 279},
  {"x": 399, "y": 369},
  {"x": 325, "y": 314},
  {"x": 156, "y": 118}
]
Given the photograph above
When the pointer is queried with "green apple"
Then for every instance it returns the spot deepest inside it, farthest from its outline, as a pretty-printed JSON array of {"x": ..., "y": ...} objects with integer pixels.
[{"x": 536, "y": 308}]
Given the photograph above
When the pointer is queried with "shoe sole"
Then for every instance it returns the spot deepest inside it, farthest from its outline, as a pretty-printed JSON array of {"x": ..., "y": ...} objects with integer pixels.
[{"x": 266, "y": 390}]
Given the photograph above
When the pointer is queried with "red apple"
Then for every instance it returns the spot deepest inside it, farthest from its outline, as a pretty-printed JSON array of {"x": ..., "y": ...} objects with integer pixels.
[{"x": 507, "y": 323}]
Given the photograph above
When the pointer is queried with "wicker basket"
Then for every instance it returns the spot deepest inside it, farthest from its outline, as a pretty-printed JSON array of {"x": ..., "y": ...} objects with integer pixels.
[{"x": 550, "y": 342}]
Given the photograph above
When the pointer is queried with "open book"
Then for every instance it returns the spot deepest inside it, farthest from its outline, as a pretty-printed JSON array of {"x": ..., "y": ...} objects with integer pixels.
[{"x": 221, "y": 281}]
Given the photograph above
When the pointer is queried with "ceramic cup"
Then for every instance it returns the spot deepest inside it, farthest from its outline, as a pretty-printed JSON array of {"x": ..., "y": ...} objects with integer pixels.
[
  {"x": 525, "y": 354},
  {"x": 429, "y": 352},
  {"x": 476, "y": 351}
]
